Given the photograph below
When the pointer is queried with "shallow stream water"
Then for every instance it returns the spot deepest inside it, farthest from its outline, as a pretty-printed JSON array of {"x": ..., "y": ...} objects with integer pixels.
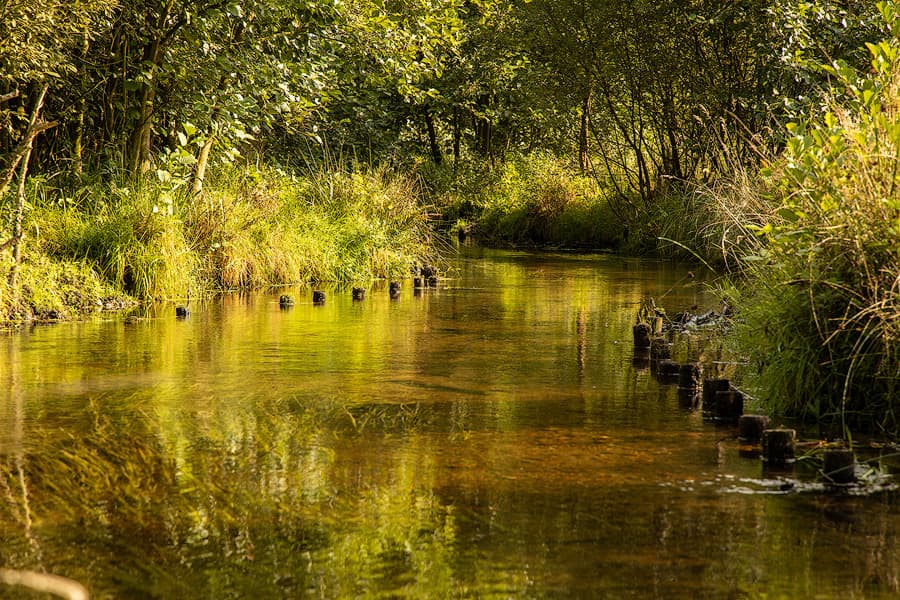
[{"x": 492, "y": 437}]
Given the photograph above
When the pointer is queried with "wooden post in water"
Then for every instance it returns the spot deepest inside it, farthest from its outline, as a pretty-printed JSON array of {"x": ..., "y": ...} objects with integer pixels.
[
  {"x": 729, "y": 406},
  {"x": 641, "y": 333},
  {"x": 182, "y": 312},
  {"x": 358, "y": 293},
  {"x": 839, "y": 466},
  {"x": 751, "y": 427},
  {"x": 417, "y": 282},
  {"x": 778, "y": 446},
  {"x": 659, "y": 350},
  {"x": 394, "y": 290},
  {"x": 689, "y": 376},
  {"x": 710, "y": 387},
  {"x": 667, "y": 370},
  {"x": 318, "y": 297},
  {"x": 285, "y": 301}
]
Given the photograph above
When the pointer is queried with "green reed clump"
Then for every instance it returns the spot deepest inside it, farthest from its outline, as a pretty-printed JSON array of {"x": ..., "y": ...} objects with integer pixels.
[{"x": 822, "y": 317}]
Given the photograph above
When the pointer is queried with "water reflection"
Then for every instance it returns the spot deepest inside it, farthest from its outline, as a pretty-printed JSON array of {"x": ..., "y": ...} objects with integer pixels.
[{"x": 490, "y": 438}]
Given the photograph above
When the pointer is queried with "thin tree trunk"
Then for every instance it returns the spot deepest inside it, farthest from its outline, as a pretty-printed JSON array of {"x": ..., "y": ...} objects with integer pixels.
[
  {"x": 17, "y": 225},
  {"x": 583, "y": 158},
  {"x": 457, "y": 135},
  {"x": 202, "y": 161},
  {"x": 433, "y": 145}
]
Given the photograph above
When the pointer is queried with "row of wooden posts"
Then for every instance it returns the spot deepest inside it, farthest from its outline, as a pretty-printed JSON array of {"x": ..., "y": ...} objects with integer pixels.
[
  {"x": 725, "y": 404},
  {"x": 428, "y": 277}
]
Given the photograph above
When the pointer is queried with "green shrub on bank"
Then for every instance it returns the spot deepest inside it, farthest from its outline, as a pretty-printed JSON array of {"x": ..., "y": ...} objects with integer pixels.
[
  {"x": 823, "y": 312},
  {"x": 529, "y": 200}
]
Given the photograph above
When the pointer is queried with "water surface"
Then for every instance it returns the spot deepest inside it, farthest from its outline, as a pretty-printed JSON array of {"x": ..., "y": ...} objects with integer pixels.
[{"x": 492, "y": 437}]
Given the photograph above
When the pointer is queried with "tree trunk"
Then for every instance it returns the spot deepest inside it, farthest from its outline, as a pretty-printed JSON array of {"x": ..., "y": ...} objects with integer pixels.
[
  {"x": 202, "y": 161},
  {"x": 433, "y": 145},
  {"x": 583, "y": 158},
  {"x": 457, "y": 135},
  {"x": 30, "y": 134}
]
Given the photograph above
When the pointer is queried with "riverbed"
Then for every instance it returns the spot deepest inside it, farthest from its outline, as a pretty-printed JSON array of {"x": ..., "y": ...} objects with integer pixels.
[{"x": 490, "y": 437}]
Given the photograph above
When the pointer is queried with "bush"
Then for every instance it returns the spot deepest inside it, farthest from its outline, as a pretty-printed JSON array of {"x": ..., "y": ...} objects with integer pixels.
[{"x": 823, "y": 314}]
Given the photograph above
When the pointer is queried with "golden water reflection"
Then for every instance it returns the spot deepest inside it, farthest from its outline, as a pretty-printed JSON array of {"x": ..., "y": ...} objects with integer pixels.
[{"x": 491, "y": 438}]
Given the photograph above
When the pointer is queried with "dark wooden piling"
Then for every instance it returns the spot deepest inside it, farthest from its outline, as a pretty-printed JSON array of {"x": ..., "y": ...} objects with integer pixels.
[
  {"x": 689, "y": 376},
  {"x": 729, "y": 406},
  {"x": 641, "y": 359},
  {"x": 432, "y": 281},
  {"x": 641, "y": 333},
  {"x": 394, "y": 289},
  {"x": 667, "y": 370},
  {"x": 285, "y": 301},
  {"x": 417, "y": 282},
  {"x": 751, "y": 427},
  {"x": 318, "y": 297},
  {"x": 778, "y": 446},
  {"x": 838, "y": 467},
  {"x": 710, "y": 387},
  {"x": 358, "y": 293},
  {"x": 688, "y": 398},
  {"x": 659, "y": 350},
  {"x": 182, "y": 312}
]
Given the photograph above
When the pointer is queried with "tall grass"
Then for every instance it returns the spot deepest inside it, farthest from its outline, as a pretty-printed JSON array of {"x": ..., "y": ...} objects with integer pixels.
[
  {"x": 822, "y": 311},
  {"x": 250, "y": 227}
]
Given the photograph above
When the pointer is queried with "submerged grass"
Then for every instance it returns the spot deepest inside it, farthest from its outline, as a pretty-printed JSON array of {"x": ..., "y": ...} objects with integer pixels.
[{"x": 250, "y": 227}]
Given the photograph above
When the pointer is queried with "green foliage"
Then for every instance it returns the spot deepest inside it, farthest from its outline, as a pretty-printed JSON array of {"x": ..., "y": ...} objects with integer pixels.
[
  {"x": 529, "y": 200},
  {"x": 822, "y": 321}
]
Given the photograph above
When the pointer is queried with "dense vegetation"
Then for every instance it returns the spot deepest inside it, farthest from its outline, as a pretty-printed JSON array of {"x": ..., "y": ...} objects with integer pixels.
[{"x": 162, "y": 148}]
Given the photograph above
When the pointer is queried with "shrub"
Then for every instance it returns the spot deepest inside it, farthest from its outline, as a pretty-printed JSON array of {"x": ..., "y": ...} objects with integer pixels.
[{"x": 823, "y": 314}]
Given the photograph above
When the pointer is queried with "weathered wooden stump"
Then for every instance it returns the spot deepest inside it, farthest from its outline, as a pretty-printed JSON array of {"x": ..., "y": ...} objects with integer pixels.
[
  {"x": 667, "y": 370},
  {"x": 689, "y": 376},
  {"x": 641, "y": 333},
  {"x": 659, "y": 349},
  {"x": 688, "y": 398},
  {"x": 751, "y": 427},
  {"x": 432, "y": 281},
  {"x": 182, "y": 312},
  {"x": 394, "y": 289},
  {"x": 285, "y": 301},
  {"x": 429, "y": 271},
  {"x": 838, "y": 465},
  {"x": 729, "y": 406},
  {"x": 318, "y": 297},
  {"x": 710, "y": 387},
  {"x": 778, "y": 446},
  {"x": 641, "y": 359},
  {"x": 418, "y": 282},
  {"x": 358, "y": 293}
]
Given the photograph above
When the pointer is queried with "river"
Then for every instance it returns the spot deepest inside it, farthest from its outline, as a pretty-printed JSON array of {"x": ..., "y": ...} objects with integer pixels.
[{"x": 489, "y": 438}]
